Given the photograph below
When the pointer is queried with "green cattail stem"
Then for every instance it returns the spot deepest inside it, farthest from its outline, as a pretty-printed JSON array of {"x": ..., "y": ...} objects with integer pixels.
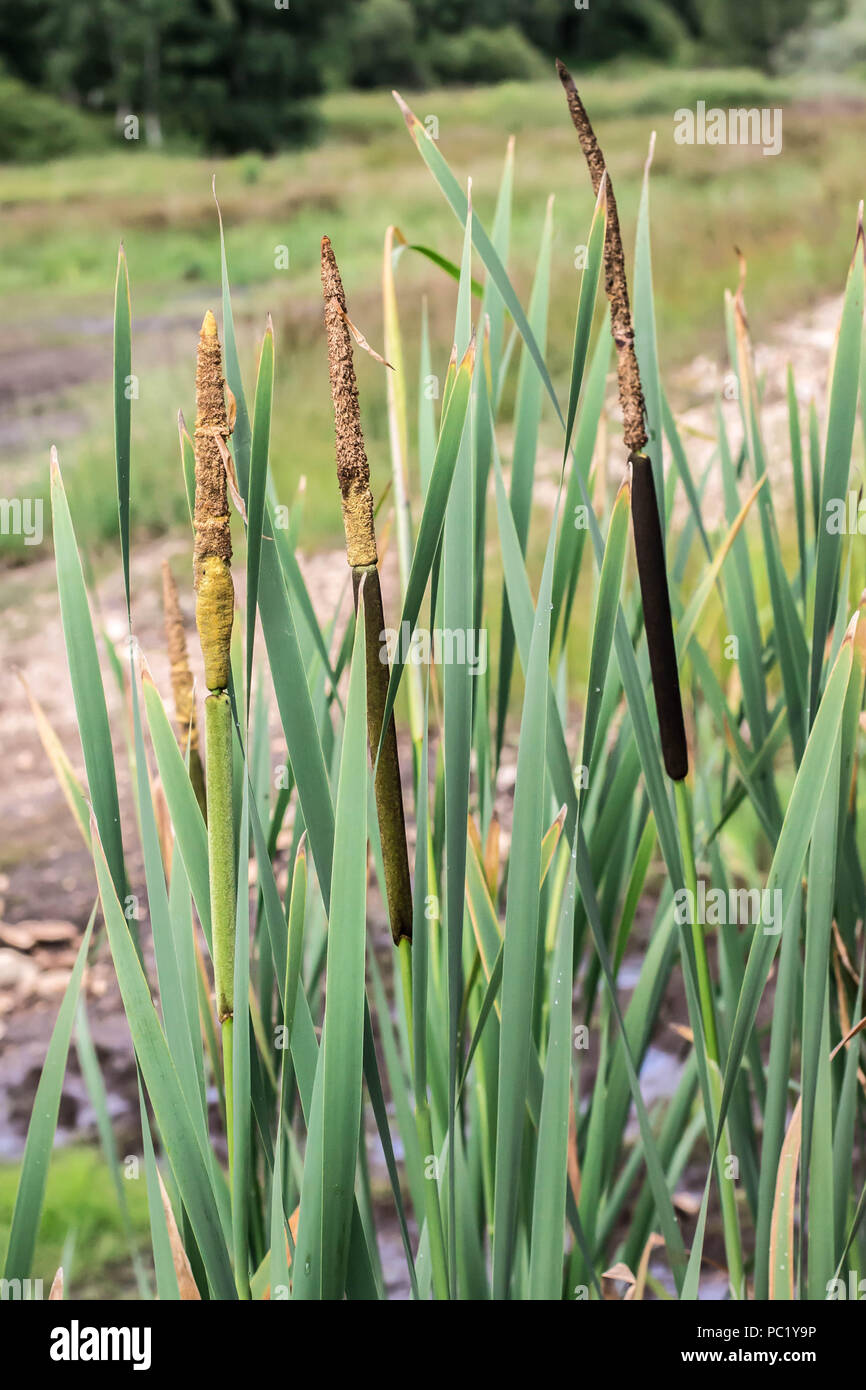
[
  {"x": 705, "y": 988},
  {"x": 727, "y": 1194},
  {"x": 218, "y": 756},
  {"x": 218, "y": 731},
  {"x": 388, "y": 787},
  {"x": 228, "y": 1026},
  {"x": 424, "y": 1128}
]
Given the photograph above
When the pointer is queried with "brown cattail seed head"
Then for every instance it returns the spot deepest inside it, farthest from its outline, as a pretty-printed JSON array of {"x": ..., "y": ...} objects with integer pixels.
[
  {"x": 353, "y": 472},
  {"x": 213, "y": 545}
]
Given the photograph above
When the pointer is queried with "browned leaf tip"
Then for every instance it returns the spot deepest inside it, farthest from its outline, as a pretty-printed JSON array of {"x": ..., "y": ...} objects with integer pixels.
[
  {"x": 740, "y": 295},
  {"x": 615, "y": 282},
  {"x": 408, "y": 114}
]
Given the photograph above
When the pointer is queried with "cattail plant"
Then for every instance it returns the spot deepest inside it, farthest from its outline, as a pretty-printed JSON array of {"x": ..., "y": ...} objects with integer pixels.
[
  {"x": 655, "y": 599},
  {"x": 353, "y": 477},
  {"x": 214, "y": 614},
  {"x": 646, "y": 525}
]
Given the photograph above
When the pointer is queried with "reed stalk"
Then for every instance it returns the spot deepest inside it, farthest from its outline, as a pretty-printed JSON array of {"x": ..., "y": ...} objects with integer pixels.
[
  {"x": 727, "y": 1195},
  {"x": 214, "y": 617},
  {"x": 424, "y": 1128}
]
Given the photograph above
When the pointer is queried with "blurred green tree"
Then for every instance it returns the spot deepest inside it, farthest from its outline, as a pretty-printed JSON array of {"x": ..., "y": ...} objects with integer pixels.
[
  {"x": 383, "y": 45},
  {"x": 228, "y": 75},
  {"x": 747, "y": 31}
]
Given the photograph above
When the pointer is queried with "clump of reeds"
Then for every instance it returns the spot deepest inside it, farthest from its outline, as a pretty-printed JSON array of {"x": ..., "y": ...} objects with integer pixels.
[{"x": 548, "y": 1193}]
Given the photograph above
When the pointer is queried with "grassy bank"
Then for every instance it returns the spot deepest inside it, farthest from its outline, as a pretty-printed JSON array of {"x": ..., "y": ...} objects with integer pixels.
[
  {"x": 62, "y": 223},
  {"x": 81, "y": 1226}
]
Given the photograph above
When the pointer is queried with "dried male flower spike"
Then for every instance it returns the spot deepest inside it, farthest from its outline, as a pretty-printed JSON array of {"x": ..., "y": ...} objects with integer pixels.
[
  {"x": 213, "y": 545},
  {"x": 353, "y": 471},
  {"x": 615, "y": 282}
]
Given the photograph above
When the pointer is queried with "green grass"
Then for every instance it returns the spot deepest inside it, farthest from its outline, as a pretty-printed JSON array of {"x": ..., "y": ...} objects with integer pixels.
[
  {"x": 81, "y": 1227},
  {"x": 62, "y": 223}
]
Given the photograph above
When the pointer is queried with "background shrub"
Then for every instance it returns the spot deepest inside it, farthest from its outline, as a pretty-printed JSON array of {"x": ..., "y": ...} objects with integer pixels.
[
  {"x": 382, "y": 46},
  {"x": 484, "y": 55},
  {"x": 36, "y": 126}
]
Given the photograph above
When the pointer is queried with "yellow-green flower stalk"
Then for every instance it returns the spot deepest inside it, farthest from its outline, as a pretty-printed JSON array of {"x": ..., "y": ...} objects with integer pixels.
[
  {"x": 214, "y": 614},
  {"x": 353, "y": 476}
]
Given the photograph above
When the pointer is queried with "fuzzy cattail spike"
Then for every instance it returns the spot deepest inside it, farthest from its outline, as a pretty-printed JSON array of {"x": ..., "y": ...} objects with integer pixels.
[
  {"x": 615, "y": 282},
  {"x": 213, "y": 545},
  {"x": 353, "y": 471}
]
